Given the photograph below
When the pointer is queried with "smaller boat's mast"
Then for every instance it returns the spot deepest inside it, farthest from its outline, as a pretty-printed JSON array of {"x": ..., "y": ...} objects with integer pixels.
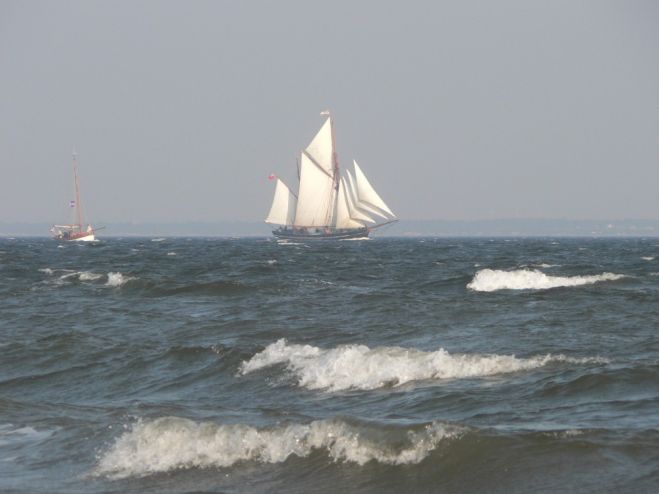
[{"x": 77, "y": 187}]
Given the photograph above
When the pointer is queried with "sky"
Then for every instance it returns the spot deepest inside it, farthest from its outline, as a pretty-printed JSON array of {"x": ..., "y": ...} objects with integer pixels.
[{"x": 459, "y": 110}]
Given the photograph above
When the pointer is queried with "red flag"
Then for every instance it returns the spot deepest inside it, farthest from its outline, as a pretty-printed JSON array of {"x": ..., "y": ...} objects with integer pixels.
[{"x": 272, "y": 176}]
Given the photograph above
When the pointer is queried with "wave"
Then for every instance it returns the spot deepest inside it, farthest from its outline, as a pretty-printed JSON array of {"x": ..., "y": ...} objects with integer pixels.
[
  {"x": 205, "y": 288},
  {"x": 88, "y": 276},
  {"x": 10, "y": 433},
  {"x": 172, "y": 443},
  {"x": 360, "y": 367},
  {"x": 490, "y": 280},
  {"x": 70, "y": 274},
  {"x": 648, "y": 258},
  {"x": 117, "y": 279}
]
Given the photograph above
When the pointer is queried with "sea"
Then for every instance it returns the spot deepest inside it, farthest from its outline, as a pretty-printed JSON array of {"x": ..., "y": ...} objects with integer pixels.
[{"x": 439, "y": 365}]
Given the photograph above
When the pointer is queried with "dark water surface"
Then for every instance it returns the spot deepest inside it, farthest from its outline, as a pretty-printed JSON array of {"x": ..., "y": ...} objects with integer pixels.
[{"x": 413, "y": 365}]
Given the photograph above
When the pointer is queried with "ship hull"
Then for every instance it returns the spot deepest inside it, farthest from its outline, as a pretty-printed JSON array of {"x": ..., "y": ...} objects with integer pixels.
[
  {"x": 306, "y": 234},
  {"x": 84, "y": 238}
]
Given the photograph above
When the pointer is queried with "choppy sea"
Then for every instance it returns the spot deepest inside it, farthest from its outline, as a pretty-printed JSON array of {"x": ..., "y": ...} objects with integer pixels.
[{"x": 168, "y": 365}]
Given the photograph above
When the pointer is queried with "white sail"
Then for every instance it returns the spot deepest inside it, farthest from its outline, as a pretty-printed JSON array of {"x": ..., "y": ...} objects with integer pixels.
[
  {"x": 359, "y": 208},
  {"x": 314, "y": 202},
  {"x": 343, "y": 218},
  {"x": 321, "y": 148},
  {"x": 283, "y": 207},
  {"x": 366, "y": 193},
  {"x": 355, "y": 212}
]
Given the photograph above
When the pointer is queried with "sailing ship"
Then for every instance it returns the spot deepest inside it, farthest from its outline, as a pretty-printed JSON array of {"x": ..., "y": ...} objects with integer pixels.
[
  {"x": 327, "y": 205},
  {"x": 75, "y": 231}
]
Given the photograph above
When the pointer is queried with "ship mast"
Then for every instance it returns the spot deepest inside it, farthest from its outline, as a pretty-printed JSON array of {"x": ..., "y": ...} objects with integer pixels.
[
  {"x": 336, "y": 176},
  {"x": 77, "y": 187}
]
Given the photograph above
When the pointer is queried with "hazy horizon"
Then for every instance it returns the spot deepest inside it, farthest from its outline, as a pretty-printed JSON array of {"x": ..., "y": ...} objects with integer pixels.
[
  {"x": 457, "y": 111},
  {"x": 528, "y": 227}
]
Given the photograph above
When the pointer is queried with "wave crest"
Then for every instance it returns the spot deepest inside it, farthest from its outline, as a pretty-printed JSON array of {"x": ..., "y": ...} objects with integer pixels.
[
  {"x": 360, "y": 367},
  {"x": 172, "y": 443},
  {"x": 490, "y": 280},
  {"x": 117, "y": 279}
]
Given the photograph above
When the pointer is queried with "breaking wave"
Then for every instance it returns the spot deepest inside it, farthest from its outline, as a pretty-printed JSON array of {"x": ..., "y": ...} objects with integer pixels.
[
  {"x": 360, "y": 367},
  {"x": 172, "y": 443},
  {"x": 490, "y": 280},
  {"x": 117, "y": 279},
  {"x": 88, "y": 276}
]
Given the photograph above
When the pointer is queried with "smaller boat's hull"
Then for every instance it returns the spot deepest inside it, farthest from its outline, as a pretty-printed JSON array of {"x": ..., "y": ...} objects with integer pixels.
[
  {"x": 84, "y": 238},
  {"x": 320, "y": 234}
]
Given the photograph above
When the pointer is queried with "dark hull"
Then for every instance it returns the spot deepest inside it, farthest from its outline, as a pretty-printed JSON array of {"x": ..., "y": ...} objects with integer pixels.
[{"x": 291, "y": 234}]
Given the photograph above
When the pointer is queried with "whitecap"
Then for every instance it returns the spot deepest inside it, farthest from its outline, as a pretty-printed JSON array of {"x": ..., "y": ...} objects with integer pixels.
[
  {"x": 360, "y": 367},
  {"x": 171, "y": 253},
  {"x": 88, "y": 276},
  {"x": 47, "y": 271},
  {"x": 160, "y": 239},
  {"x": 117, "y": 279},
  {"x": 81, "y": 275},
  {"x": 489, "y": 280},
  {"x": 648, "y": 258},
  {"x": 171, "y": 443}
]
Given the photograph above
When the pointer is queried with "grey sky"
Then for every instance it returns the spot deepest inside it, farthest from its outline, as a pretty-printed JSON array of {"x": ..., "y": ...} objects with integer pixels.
[{"x": 455, "y": 110}]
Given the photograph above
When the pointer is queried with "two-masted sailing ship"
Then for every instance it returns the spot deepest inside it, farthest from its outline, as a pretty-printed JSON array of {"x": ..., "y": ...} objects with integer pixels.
[
  {"x": 327, "y": 205},
  {"x": 76, "y": 230}
]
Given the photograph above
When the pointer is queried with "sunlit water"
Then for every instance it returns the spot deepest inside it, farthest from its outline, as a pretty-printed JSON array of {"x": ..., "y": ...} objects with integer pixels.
[{"x": 244, "y": 365}]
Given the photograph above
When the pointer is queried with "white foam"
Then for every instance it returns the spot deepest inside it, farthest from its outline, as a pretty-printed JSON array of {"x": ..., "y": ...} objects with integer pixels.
[
  {"x": 81, "y": 275},
  {"x": 489, "y": 280},
  {"x": 117, "y": 279},
  {"x": 360, "y": 367},
  {"x": 47, "y": 271},
  {"x": 12, "y": 434},
  {"x": 160, "y": 239},
  {"x": 648, "y": 258},
  {"x": 171, "y": 253},
  {"x": 88, "y": 276},
  {"x": 172, "y": 443}
]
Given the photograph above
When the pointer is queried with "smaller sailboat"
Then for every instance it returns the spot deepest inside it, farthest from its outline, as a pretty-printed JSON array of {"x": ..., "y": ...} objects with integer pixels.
[
  {"x": 76, "y": 231},
  {"x": 328, "y": 206}
]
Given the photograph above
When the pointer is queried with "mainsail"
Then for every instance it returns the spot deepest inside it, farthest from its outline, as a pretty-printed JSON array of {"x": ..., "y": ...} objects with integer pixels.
[
  {"x": 327, "y": 204},
  {"x": 314, "y": 205}
]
